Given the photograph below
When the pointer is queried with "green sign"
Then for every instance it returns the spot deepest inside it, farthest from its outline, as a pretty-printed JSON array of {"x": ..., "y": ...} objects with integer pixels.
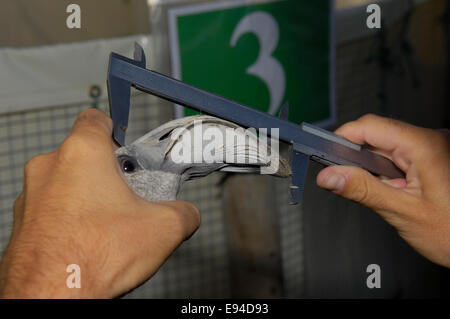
[{"x": 260, "y": 53}]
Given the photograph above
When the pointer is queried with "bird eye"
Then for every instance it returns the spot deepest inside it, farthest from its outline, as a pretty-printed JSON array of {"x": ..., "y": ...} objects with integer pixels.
[{"x": 127, "y": 164}]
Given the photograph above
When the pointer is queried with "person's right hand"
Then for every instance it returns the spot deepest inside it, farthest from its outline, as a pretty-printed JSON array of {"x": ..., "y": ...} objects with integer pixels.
[{"x": 417, "y": 206}]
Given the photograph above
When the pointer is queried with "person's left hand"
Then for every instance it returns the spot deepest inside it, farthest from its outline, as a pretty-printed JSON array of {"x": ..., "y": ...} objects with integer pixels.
[{"x": 76, "y": 208}]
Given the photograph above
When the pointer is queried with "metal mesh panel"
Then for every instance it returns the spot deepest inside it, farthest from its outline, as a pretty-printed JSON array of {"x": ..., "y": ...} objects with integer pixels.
[
  {"x": 356, "y": 80},
  {"x": 290, "y": 221},
  {"x": 23, "y": 135}
]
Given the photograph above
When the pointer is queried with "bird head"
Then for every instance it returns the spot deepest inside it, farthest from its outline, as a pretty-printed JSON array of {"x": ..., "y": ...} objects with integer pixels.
[{"x": 156, "y": 164}]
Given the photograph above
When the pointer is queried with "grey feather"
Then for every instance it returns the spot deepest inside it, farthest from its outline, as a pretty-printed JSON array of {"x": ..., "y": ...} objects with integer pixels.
[{"x": 153, "y": 174}]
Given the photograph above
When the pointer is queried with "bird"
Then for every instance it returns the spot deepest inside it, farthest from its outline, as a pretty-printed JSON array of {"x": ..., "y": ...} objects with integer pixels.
[{"x": 153, "y": 169}]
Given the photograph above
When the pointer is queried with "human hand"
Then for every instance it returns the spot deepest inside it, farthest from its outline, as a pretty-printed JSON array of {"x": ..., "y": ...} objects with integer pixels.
[
  {"x": 417, "y": 206},
  {"x": 76, "y": 208}
]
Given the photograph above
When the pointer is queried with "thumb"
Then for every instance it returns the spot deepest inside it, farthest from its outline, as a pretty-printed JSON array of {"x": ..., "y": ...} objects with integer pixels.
[
  {"x": 188, "y": 216},
  {"x": 360, "y": 186},
  {"x": 179, "y": 219}
]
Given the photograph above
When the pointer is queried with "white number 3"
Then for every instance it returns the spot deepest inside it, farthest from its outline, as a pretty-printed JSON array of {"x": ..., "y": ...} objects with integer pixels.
[{"x": 267, "y": 68}]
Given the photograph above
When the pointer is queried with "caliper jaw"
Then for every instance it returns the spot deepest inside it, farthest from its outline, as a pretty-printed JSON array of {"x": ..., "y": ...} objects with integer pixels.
[
  {"x": 299, "y": 167},
  {"x": 119, "y": 94}
]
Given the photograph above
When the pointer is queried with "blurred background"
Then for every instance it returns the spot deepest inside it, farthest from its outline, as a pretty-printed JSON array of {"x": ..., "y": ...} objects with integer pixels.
[{"x": 335, "y": 69}]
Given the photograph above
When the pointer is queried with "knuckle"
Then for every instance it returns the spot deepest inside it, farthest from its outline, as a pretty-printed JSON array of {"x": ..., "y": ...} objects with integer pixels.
[
  {"x": 429, "y": 143},
  {"x": 34, "y": 164},
  {"x": 446, "y": 134},
  {"x": 18, "y": 202},
  {"x": 361, "y": 191},
  {"x": 435, "y": 147},
  {"x": 181, "y": 219},
  {"x": 369, "y": 117},
  {"x": 385, "y": 122},
  {"x": 86, "y": 114},
  {"x": 92, "y": 113},
  {"x": 18, "y": 208},
  {"x": 108, "y": 121},
  {"x": 194, "y": 213},
  {"x": 174, "y": 217},
  {"x": 73, "y": 142},
  {"x": 96, "y": 117},
  {"x": 75, "y": 147},
  {"x": 402, "y": 128},
  {"x": 391, "y": 122},
  {"x": 441, "y": 139},
  {"x": 395, "y": 127},
  {"x": 348, "y": 125}
]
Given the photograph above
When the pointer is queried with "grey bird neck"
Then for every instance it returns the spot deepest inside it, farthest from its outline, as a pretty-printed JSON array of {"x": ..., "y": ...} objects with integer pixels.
[{"x": 155, "y": 185}]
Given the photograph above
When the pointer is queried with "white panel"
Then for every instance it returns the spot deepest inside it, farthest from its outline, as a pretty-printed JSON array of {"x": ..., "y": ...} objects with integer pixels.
[{"x": 58, "y": 75}]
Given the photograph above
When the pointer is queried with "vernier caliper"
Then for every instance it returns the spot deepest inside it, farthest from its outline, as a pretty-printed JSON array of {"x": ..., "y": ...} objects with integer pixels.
[{"x": 308, "y": 141}]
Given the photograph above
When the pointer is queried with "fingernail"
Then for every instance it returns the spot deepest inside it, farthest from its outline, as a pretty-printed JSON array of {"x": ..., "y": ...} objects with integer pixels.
[{"x": 334, "y": 182}]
